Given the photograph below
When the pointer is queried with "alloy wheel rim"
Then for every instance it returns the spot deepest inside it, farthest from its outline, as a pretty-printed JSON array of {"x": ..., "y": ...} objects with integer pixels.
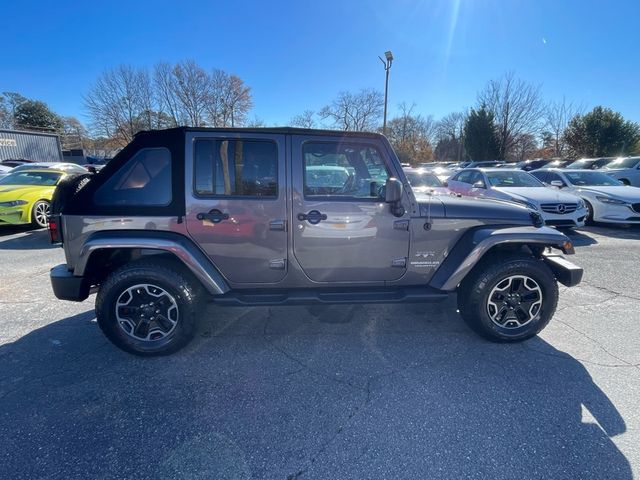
[
  {"x": 146, "y": 312},
  {"x": 42, "y": 213},
  {"x": 514, "y": 301}
]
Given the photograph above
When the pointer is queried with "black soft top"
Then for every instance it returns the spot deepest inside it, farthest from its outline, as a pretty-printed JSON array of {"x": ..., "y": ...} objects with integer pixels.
[
  {"x": 274, "y": 130},
  {"x": 172, "y": 139}
]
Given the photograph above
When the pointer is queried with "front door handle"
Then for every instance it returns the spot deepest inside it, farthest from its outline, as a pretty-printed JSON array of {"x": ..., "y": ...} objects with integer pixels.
[
  {"x": 313, "y": 217},
  {"x": 214, "y": 216}
]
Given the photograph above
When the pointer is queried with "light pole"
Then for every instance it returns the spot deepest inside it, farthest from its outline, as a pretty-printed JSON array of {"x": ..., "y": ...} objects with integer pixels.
[{"x": 387, "y": 66}]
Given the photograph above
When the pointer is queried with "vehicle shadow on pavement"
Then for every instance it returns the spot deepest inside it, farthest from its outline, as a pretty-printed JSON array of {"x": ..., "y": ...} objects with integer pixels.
[
  {"x": 357, "y": 392},
  {"x": 580, "y": 239},
  {"x": 628, "y": 232},
  {"x": 30, "y": 240}
]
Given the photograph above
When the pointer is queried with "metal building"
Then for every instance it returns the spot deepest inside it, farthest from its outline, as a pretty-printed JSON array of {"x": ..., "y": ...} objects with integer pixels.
[{"x": 36, "y": 146}]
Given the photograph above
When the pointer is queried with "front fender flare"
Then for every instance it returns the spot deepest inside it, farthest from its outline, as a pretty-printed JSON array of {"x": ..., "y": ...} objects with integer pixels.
[
  {"x": 178, "y": 245},
  {"x": 473, "y": 245}
]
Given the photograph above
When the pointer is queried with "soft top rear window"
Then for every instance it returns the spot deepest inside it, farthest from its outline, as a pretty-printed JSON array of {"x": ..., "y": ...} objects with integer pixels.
[{"x": 145, "y": 180}]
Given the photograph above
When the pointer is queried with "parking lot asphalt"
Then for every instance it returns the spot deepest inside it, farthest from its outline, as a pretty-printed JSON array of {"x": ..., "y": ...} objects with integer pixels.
[{"x": 317, "y": 393}]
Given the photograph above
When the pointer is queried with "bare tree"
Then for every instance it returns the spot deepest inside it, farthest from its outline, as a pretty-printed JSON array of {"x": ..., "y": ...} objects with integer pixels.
[
  {"x": 557, "y": 117},
  {"x": 516, "y": 107},
  {"x": 117, "y": 102},
  {"x": 165, "y": 89},
  {"x": 304, "y": 120},
  {"x": 450, "y": 135},
  {"x": 359, "y": 111},
  {"x": 230, "y": 100},
  {"x": 192, "y": 89},
  {"x": 72, "y": 134},
  {"x": 411, "y": 135}
]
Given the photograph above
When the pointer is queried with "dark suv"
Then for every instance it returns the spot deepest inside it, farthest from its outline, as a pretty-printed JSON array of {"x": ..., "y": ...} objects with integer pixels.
[{"x": 282, "y": 216}]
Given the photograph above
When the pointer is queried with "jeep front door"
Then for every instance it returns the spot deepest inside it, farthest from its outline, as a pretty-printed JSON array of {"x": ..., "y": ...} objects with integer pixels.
[
  {"x": 343, "y": 231},
  {"x": 236, "y": 203}
]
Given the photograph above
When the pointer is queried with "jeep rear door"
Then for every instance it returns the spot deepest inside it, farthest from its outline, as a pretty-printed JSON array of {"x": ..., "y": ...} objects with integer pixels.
[
  {"x": 342, "y": 229},
  {"x": 236, "y": 203}
]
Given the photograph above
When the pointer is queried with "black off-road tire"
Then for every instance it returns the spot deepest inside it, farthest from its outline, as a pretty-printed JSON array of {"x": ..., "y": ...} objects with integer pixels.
[
  {"x": 473, "y": 295},
  {"x": 168, "y": 276}
]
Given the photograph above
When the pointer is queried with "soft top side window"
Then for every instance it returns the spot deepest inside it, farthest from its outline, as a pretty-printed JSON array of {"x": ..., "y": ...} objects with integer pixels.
[{"x": 145, "y": 180}]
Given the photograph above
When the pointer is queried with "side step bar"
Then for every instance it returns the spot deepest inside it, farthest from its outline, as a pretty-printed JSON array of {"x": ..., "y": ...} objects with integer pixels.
[{"x": 310, "y": 297}]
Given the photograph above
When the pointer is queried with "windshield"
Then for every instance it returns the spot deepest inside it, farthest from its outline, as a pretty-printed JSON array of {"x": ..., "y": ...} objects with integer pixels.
[
  {"x": 423, "y": 179},
  {"x": 623, "y": 163},
  {"x": 581, "y": 163},
  {"x": 591, "y": 179},
  {"x": 47, "y": 179},
  {"x": 512, "y": 179}
]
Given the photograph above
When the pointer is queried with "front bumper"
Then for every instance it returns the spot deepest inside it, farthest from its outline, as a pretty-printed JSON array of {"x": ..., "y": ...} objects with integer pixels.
[
  {"x": 615, "y": 213},
  {"x": 574, "y": 219},
  {"x": 12, "y": 215},
  {"x": 565, "y": 272},
  {"x": 66, "y": 286}
]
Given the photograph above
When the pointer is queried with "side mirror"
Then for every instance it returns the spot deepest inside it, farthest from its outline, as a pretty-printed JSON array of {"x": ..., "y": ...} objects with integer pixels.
[
  {"x": 393, "y": 196},
  {"x": 479, "y": 184},
  {"x": 557, "y": 183},
  {"x": 393, "y": 190},
  {"x": 445, "y": 183}
]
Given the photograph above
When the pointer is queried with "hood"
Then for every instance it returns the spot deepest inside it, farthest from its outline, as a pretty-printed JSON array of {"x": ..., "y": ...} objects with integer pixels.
[
  {"x": 484, "y": 210},
  {"x": 16, "y": 192},
  {"x": 536, "y": 194},
  {"x": 622, "y": 192}
]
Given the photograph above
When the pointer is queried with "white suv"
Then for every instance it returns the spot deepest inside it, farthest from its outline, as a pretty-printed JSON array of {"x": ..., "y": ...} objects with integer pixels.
[{"x": 627, "y": 170}]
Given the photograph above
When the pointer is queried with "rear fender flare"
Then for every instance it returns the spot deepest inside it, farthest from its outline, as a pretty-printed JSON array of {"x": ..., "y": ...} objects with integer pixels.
[{"x": 178, "y": 245}]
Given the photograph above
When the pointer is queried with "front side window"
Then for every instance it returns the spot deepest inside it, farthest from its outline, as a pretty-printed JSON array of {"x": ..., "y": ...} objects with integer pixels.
[
  {"x": 343, "y": 170},
  {"x": 464, "y": 177},
  {"x": 242, "y": 168},
  {"x": 145, "y": 180}
]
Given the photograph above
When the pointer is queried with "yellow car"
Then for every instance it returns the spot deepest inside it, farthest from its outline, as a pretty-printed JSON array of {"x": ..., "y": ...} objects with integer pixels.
[{"x": 25, "y": 196}]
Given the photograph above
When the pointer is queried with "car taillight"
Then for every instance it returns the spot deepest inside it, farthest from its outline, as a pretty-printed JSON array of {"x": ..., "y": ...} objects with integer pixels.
[{"x": 54, "y": 231}]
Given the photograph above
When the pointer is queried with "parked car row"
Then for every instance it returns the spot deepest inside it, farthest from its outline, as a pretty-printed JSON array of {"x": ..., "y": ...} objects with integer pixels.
[{"x": 565, "y": 198}]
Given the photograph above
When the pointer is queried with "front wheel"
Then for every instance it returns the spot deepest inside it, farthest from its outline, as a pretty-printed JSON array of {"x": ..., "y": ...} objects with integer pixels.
[
  {"x": 148, "y": 308},
  {"x": 40, "y": 214},
  {"x": 508, "y": 298}
]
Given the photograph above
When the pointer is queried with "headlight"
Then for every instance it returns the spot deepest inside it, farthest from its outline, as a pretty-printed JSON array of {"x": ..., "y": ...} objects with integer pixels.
[
  {"x": 13, "y": 203},
  {"x": 580, "y": 204},
  {"x": 611, "y": 201}
]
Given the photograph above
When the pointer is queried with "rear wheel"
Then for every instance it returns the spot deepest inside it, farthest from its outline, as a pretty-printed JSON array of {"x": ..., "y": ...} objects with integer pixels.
[
  {"x": 147, "y": 308},
  {"x": 508, "y": 298},
  {"x": 40, "y": 214}
]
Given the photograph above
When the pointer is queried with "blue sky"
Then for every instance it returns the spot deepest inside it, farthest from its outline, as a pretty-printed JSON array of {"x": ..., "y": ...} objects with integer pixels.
[{"x": 298, "y": 55}]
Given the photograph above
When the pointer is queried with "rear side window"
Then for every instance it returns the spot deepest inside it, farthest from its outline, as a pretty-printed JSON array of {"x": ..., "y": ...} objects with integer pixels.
[
  {"x": 145, "y": 180},
  {"x": 236, "y": 168}
]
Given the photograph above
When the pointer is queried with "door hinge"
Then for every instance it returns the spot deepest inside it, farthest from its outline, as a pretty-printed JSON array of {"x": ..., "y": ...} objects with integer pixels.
[
  {"x": 401, "y": 225},
  {"x": 277, "y": 264},
  {"x": 399, "y": 262}
]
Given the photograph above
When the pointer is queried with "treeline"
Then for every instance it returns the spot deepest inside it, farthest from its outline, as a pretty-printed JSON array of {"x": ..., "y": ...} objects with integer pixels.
[{"x": 509, "y": 121}]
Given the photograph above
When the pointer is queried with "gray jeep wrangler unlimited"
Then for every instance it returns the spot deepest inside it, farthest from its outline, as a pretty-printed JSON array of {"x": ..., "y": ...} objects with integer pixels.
[{"x": 283, "y": 216}]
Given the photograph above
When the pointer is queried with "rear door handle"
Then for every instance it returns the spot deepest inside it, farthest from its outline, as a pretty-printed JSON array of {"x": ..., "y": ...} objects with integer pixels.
[
  {"x": 313, "y": 217},
  {"x": 214, "y": 216}
]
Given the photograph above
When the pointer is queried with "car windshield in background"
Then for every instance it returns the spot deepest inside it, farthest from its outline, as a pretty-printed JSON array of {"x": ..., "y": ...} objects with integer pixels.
[
  {"x": 31, "y": 178},
  {"x": 623, "y": 163},
  {"x": 512, "y": 179},
  {"x": 593, "y": 179},
  {"x": 423, "y": 180}
]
